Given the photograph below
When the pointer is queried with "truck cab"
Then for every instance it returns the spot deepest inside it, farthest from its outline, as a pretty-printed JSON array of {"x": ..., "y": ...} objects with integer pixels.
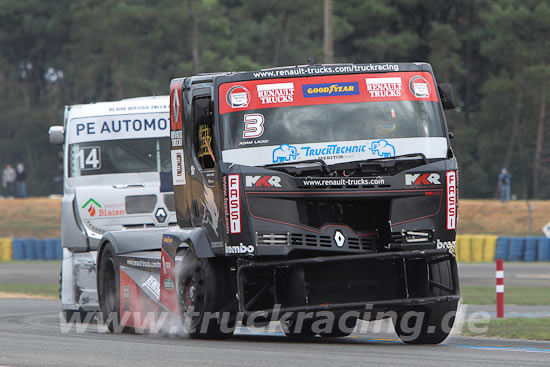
[{"x": 117, "y": 176}]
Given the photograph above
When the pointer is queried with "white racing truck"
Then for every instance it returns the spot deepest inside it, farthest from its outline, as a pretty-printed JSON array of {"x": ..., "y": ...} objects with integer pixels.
[{"x": 117, "y": 176}]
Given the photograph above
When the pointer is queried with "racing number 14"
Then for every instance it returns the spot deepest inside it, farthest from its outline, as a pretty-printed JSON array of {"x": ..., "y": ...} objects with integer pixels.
[{"x": 89, "y": 158}]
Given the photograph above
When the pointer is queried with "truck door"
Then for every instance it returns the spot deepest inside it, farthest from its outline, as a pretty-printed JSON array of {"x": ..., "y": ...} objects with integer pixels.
[{"x": 206, "y": 190}]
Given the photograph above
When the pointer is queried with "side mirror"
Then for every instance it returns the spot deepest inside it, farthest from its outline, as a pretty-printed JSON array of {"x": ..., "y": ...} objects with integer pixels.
[
  {"x": 57, "y": 135},
  {"x": 447, "y": 96}
]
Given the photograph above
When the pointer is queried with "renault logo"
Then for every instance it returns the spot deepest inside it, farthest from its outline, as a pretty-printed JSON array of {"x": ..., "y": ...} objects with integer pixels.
[
  {"x": 339, "y": 238},
  {"x": 160, "y": 215}
]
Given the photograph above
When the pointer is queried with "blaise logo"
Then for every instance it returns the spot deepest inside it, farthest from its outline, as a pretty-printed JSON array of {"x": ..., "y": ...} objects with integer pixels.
[{"x": 91, "y": 208}]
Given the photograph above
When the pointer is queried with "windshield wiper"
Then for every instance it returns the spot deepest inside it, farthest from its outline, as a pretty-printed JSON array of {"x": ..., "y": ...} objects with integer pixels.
[
  {"x": 420, "y": 155},
  {"x": 295, "y": 165}
]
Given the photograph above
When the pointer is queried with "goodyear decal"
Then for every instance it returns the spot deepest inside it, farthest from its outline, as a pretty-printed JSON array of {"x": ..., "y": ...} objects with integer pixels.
[{"x": 330, "y": 89}]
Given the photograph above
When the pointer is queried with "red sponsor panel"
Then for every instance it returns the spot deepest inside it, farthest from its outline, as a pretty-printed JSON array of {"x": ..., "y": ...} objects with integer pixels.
[
  {"x": 168, "y": 294},
  {"x": 234, "y": 198},
  {"x": 176, "y": 105},
  {"x": 136, "y": 308},
  {"x": 451, "y": 199},
  {"x": 329, "y": 89}
]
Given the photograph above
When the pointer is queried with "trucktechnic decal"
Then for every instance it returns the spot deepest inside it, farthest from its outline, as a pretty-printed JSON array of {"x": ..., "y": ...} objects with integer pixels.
[
  {"x": 451, "y": 199},
  {"x": 328, "y": 89},
  {"x": 234, "y": 203},
  {"x": 134, "y": 126},
  {"x": 422, "y": 179},
  {"x": 336, "y": 152}
]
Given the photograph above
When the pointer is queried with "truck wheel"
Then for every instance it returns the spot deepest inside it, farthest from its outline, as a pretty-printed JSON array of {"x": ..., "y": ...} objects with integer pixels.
[
  {"x": 432, "y": 324},
  {"x": 204, "y": 293},
  {"x": 108, "y": 288},
  {"x": 337, "y": 332},
  {"x": 293, "y": 331}
]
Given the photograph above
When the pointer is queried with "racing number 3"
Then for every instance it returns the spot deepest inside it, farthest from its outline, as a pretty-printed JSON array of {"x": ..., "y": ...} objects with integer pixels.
[{"x": 253, "y": 125}]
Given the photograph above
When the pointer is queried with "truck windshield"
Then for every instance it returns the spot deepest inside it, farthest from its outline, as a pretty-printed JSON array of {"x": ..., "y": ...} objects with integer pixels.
[
  {"x": 336, "y": 118},
  {"x": 119, "y": 156}
]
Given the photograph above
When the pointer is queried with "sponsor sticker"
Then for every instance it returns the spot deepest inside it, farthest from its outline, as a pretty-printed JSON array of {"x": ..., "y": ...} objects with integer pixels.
[
  {"x": 451, "y": 199},
  {"x": 105, "y": 210},
  {"x": 178, "y": 167},
  {"x": 263, "y": 181},
  {"x": 384, "y": 87},
  {"x": 449, "y": 245},
  {"x": 419, "y": 86},
  {"x": 153, "y": 286},
  {"x": 240, "y": 249},
  {"x": 418, "y": 179},
  {"x": 238, "y": 97},
  {"x": 276, "y": 93},
  {"x": 330, "y": 89},
  {"x": 234, "y": 198}
]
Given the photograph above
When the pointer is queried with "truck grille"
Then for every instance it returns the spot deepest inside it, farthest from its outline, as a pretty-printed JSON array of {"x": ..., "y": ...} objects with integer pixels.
[{"x": 314, "y": 240}]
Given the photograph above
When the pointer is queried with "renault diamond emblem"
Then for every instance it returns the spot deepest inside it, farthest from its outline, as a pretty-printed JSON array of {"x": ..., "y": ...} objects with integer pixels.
[
  {"x": 160, "y": 215},
  {"x": 176, "y": 106},
  {"x": 339, "y": 238}
]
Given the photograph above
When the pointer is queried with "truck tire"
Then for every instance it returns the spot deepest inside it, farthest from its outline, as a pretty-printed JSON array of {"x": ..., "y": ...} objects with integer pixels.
[
  {"x": 431, "y": 324},
  {"x": 108, "y": 289},
  {"x": 204, "y": 289}
]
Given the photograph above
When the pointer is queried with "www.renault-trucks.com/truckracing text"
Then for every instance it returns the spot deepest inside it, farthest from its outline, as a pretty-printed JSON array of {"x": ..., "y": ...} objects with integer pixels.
[
  {"x": 300, "y": 192},
  {"x": 116, "y": 177}
]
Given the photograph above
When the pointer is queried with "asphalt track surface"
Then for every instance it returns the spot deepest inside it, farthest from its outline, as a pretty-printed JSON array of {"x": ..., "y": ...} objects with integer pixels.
[{"x": 31, "y": 334}]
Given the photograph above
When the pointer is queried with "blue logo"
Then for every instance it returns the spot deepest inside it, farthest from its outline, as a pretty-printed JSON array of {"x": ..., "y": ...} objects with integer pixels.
[
  {"x": 382, "y": 148},
  {"x": 330, "y": 89},
  {"x": 285, "y": 153}
]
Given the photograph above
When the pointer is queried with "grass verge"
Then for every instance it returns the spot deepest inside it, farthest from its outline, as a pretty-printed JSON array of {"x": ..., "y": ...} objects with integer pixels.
[
  {"x": 515, "y": 328},
  {"x": 513, "y": 295},
  {"x": 44, "y": 290}
]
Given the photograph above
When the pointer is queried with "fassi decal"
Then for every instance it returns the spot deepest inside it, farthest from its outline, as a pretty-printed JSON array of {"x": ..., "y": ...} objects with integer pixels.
[
  {"x": 422, "y": 179},
  {"x": 234, "y": 198},
  {"x": 276, "y": 93},
  {"x": 263, "y": 181},
  {"x": 451, "y": 199}
]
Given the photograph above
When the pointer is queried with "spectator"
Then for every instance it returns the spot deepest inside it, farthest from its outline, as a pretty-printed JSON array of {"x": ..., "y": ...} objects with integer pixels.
[
  {"x": 8, "y": 180},
  {"x": 20, "y": 188},
  {"x": 504, "y": 184}
]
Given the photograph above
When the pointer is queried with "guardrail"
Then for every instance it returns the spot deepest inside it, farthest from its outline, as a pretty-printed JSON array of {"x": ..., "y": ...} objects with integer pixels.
[
  {"x": 30, "y": 248},
  {"x": 469, "y": 248}
]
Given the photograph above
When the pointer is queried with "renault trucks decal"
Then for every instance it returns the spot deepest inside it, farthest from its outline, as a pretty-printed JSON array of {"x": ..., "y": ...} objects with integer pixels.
[
  {"x": 329, "y": 89},
  {"x": 336, "y": 152}
]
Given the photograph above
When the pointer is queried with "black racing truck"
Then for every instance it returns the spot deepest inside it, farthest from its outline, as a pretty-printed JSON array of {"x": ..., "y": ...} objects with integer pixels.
[{"x": 301, "y": 193}]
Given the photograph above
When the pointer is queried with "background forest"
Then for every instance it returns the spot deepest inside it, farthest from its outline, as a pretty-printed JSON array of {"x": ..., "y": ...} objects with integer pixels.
[{"x": 496, "y": 53}]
